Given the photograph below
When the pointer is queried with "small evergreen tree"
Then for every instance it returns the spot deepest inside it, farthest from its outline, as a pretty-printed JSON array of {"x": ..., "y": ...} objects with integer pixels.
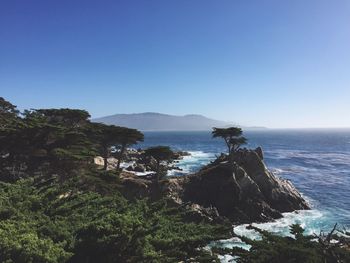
[
  {"x": 105, "y": 138},
  {"x": 162, "y": 154},
  {"x": 127, "y": 137}
]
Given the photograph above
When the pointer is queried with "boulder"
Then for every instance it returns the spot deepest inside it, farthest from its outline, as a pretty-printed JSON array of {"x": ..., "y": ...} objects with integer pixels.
[
  {"x": 98, "y": 160},
  {"x": 134, "y": 187}
]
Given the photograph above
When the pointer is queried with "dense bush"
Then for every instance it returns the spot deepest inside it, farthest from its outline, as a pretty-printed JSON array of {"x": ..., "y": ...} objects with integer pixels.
[{"x": 62, "y": 223}]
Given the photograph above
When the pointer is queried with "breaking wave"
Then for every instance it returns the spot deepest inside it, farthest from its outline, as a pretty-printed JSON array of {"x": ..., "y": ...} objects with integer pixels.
[{"x": 192, "y": 162}]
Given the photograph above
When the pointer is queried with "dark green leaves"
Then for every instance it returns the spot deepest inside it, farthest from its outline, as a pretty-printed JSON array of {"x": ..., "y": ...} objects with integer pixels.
[
  {"x": 64, "y": 223},
  {"x": 160, "y": 153},
  {"x": 56, "y": 138},
  {"x": 232, "y": 137}
]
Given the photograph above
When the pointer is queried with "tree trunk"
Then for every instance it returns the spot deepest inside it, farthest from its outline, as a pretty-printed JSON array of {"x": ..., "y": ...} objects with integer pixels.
[
  {"x": 105, "y": 163},
  {"x": 122, "y": 150},
  {"x": 105, "y": 160},
  {"x": 158, "y": 168},
  {"x": 228, "y": 145},
  {"x": 230, "y": 159}
]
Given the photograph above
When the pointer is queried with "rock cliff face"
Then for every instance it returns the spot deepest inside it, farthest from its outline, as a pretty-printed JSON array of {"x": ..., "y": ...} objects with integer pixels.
[{"x": 244, "y": 192}]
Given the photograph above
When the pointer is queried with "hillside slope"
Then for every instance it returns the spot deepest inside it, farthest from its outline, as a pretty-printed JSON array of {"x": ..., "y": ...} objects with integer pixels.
[{"x": 151, "y": 121}]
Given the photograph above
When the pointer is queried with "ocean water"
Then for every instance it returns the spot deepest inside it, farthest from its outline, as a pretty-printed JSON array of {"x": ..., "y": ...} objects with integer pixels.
[{"x": 316, "y": 161}]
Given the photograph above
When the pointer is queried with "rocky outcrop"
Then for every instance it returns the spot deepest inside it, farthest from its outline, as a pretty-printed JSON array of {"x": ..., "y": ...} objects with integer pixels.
[
  {"x": 134, "y": 187},
  {"x": 244, "y": 191},
  {"x": 279, "y": 193}
]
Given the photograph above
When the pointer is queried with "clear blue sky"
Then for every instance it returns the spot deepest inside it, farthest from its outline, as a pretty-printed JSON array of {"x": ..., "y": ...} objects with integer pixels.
[{"x": 271, "y": 63}]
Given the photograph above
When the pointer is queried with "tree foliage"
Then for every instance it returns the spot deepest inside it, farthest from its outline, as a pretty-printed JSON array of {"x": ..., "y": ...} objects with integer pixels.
[
  {"x": 45, "y": 137},
  {"x": 46, "y": 222},
  {"x": 113, "y": 140},
  {"x": 56, "y": 139},
  {"x": 8, "y": 113},
  {"x": 232, "y": 136},
  {"x": 162, "y": 154}
]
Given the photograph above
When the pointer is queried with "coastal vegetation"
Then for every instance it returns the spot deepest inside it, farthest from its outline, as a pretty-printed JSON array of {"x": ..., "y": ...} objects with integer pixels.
[
  {"x": 47, "y": 221},
  {"x": 56, "y": 205}
]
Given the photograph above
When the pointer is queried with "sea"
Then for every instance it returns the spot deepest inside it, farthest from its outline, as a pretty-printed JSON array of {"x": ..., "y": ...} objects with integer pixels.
[{"x": 316, "y": 161}]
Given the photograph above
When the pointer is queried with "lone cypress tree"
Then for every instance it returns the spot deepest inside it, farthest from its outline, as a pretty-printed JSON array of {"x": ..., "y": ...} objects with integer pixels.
[{"x": 232, "y": 137}]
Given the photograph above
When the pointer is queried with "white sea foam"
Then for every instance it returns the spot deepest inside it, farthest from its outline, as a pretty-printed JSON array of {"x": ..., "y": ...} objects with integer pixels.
[
  {"x": 188, "y": 164},
  {"x": 226, "y": 259},
  {"x": 141, "y": 173},
  {"x": 125, "y": 165},
  {"x": 308, "y": 219},
  {"x": 277, "y": 171},
  {"x": 192, "y": 162}
]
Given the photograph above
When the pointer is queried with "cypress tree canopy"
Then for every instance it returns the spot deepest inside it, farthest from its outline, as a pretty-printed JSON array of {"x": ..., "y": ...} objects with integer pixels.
[{"x": 232, "y": 137}]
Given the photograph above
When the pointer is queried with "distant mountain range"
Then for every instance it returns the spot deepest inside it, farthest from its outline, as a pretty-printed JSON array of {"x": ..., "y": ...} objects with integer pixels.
[{"x": 152, "y": 121}]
